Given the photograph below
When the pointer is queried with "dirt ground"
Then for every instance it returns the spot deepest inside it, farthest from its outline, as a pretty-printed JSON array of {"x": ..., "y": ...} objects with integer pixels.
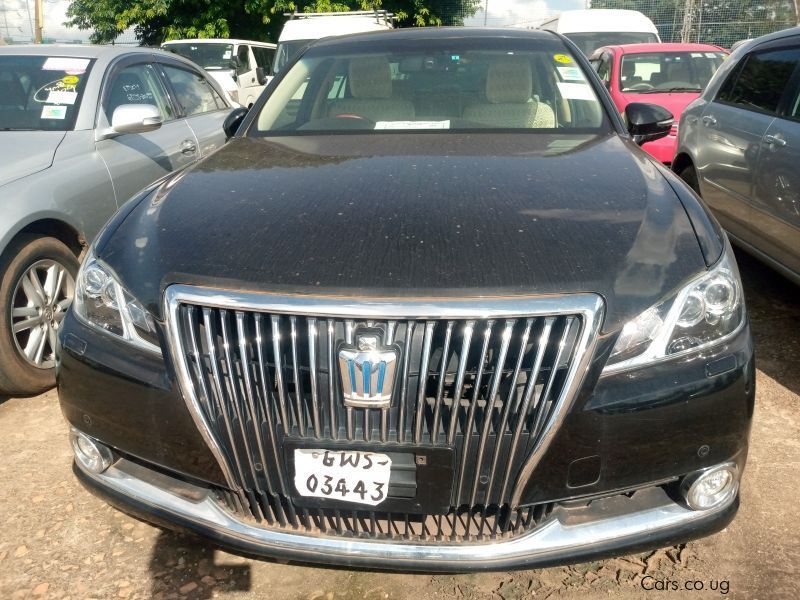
[{"x": 58, "y": 541}]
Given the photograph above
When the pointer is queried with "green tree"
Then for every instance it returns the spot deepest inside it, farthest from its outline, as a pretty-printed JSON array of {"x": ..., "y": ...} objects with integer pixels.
[{"x": 156, "y": 21}]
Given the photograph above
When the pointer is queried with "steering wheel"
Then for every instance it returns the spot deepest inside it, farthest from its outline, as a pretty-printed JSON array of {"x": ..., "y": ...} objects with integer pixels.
[{"x": 641, "y": 86}]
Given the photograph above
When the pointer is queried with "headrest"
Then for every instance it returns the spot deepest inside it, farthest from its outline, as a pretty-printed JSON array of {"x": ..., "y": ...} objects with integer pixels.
[
  {"x": 370, "y": 77},
  {"x": 509, "y": 80}
]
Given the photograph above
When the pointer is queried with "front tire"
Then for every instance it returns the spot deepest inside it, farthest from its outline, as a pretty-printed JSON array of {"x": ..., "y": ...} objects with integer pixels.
[
  {"x": 689, "y": 176},
  {"x": 37, "y": 284}
]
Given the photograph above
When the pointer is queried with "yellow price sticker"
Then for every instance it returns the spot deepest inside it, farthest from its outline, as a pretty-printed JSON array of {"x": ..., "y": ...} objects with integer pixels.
[
  {"x": 70, "y": 80},
  {"x": 562, "y": 58}
]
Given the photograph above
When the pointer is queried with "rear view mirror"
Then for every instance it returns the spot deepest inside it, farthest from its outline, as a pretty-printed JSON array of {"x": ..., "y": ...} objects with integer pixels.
[
  {"x": 136, "y": 118},
  {"x": 232, "y": 122},
  {"x": 648, "y": 122},
  {"x": 261, "y": 75}
]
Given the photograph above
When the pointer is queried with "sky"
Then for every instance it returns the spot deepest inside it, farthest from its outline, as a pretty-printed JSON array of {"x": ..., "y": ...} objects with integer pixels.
[
  {"x": 15, "y": 18},
  {"x": 520, "y": 12}
]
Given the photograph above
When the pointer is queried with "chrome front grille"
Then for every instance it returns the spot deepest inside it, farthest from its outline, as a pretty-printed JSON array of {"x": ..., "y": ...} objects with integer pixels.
[{"x": 260, "y": 372}]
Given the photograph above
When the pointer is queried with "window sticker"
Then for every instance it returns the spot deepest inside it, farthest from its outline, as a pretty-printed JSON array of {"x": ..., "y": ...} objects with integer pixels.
[
  {"x": 575, "y": 91},
  {"x": 697, "y": 55},
  {"x": 71, "y": 80},
  {"x": 571, "y": 74},
  {"x": 62, "y": 97},
  {"x": 711, "y": 55},
  {"x": 562, "y": 58},
  {"x": 43, "y": 93},
  {"x": 65, "y": 64},
  {"x": 54, "y": 112},
  {"x": 412, "y": 124}
]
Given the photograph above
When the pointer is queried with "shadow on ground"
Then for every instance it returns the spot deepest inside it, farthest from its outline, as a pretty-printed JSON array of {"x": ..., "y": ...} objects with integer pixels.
[
  {"x": 180, "y": 564},
  {"x": 772, "y": 304}
]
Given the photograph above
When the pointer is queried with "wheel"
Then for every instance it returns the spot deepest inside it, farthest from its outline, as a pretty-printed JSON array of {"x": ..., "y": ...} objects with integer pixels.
[
  {"x": 37, "y": 283},
  {"x": 689, "y": 175}
]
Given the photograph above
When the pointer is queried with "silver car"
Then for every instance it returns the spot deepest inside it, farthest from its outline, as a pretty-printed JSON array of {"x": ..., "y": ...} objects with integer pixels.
[
  {"x": 739, "y": 148},
  {"x": 82, "y": 129}
]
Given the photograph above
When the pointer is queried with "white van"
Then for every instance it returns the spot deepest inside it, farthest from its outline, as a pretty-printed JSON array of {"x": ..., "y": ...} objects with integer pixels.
[
  {"x": 242, "y": 67},
  {"x": 597, "y": 27},
  {"x": 302, "y": 28}
]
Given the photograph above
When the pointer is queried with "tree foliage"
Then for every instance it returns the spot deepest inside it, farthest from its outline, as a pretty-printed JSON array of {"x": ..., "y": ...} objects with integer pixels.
[{"x": 156, "y": 21}]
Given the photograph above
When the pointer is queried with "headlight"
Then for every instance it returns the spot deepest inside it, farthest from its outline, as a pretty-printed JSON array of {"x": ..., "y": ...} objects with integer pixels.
[
  {"x": 101, "y": 302},
  {"x": 703, "y": 313}
]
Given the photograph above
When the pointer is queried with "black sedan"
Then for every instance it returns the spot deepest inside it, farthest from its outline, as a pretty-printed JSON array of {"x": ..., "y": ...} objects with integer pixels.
[{"x": 431, "y": 308}]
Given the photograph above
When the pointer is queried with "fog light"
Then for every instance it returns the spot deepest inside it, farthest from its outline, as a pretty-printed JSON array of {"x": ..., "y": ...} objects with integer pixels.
[
  {"x": 91, "y": 454},
  {"x": 712, "y": 487}
]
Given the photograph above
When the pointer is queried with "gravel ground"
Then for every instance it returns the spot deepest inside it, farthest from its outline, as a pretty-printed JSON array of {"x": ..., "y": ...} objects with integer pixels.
[{"x": 58, "y": 541}]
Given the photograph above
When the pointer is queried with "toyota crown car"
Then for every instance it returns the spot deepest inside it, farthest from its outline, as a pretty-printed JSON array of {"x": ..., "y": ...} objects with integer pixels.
[
  {"x": 82, "y": 129},
  {"x": 430, "y": 308}
]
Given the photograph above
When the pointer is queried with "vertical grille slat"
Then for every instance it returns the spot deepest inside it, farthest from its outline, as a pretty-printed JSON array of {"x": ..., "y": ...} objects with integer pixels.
[
  {"x": 333, "y": 384},
  {"x": 486, "y": 388},
  {"x": 401, "y": 419},
  {"x": 312, "y": 361},
  {"x": 423, "y": 380},
  {"x": 276, "y": 355},
  {"x": 298, "y": 387},
  {"x": 440, "y": 386}
]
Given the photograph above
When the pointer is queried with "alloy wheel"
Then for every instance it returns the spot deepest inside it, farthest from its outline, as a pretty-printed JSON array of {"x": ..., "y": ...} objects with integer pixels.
[{"x": 40, "y": 301}]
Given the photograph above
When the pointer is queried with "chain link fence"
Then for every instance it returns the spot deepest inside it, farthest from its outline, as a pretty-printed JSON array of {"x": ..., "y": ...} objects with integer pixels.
[{"x": 720, "y": 22}]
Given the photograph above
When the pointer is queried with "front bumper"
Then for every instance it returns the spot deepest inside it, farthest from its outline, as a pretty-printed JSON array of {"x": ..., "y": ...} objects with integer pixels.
[
  {"x": 663, "y": 149},
  {"x": 613, "y": 525}
]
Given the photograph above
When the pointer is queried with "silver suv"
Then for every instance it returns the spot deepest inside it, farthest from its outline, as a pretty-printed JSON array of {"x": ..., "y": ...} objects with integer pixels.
[
  {"x": 739, "y": 148},
  {"x": 81, "y": 130}
]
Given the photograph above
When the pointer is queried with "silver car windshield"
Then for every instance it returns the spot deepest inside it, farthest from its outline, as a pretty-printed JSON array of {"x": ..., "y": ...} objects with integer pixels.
[
  {"x": 208, "y": 55},
  {"x": 530, "y": 86},
  {"x": 41, "y": 93}
]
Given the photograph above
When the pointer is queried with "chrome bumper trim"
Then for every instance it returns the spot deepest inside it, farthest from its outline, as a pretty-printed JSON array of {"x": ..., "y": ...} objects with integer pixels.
[{"x": 552, "y": 542}]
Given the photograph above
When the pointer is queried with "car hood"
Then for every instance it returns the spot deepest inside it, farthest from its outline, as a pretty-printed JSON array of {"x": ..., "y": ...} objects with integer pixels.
[
  {"x": 674, "y": 103},
  {"x": 414, "y": 215},
  {"x": 32, "y": 151}
]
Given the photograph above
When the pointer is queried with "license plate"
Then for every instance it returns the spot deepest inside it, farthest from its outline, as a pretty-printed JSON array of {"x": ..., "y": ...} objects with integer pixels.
[{"x": 343, "y": 475}]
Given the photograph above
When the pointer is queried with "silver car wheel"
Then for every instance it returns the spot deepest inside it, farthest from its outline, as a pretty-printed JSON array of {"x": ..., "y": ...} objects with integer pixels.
[{"x": 40, "y": 301}]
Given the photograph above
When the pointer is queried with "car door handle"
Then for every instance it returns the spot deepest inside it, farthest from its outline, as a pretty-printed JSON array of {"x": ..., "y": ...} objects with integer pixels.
[
  {"x": 188, "y": 147},
  {"x": 709, "y": 120},
  {"x": 774, "y": 139}
]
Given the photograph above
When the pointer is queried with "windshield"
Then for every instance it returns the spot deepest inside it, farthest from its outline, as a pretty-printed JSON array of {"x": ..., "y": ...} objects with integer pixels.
[
  {"x": 209, "y": 56},
  {"x": 660, "y": 72},
  {"x": 589, "y": 42},
  {"x": 41, "y": 93},
  {"x": 449, "y": 85},
  {"x": 285, "y": 52}
]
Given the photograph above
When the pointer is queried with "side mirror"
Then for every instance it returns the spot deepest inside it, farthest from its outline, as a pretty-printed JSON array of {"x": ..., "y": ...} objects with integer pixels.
[
  {"x": 261, "y": 75},
  {"x": 232, "y": 122},
  {"x": 136, "y": 118},
  {"x": 647, "y": 122}
]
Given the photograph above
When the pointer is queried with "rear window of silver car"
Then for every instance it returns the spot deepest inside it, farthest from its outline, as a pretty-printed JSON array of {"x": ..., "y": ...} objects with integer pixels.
[
  {"x": 444, "y": 85},
  {"x": 41, "y": 93}
]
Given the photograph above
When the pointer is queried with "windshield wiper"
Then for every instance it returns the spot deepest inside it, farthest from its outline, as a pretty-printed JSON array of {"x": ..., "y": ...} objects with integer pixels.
[{"x": 672, "y": 89}]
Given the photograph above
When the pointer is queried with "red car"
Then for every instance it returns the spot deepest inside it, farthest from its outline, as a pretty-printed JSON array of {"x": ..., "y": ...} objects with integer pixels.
[{"x": 670, "y": 75}]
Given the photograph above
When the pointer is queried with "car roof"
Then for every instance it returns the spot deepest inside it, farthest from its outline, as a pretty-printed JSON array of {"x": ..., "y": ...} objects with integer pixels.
[
  {"x": 76, "y": 50},
  {"x": 437, "y": 33},
  {"x": 661, "y": 47},
  {"x": 217, "y": 41},
  {"x": 777, "y": 35}
]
